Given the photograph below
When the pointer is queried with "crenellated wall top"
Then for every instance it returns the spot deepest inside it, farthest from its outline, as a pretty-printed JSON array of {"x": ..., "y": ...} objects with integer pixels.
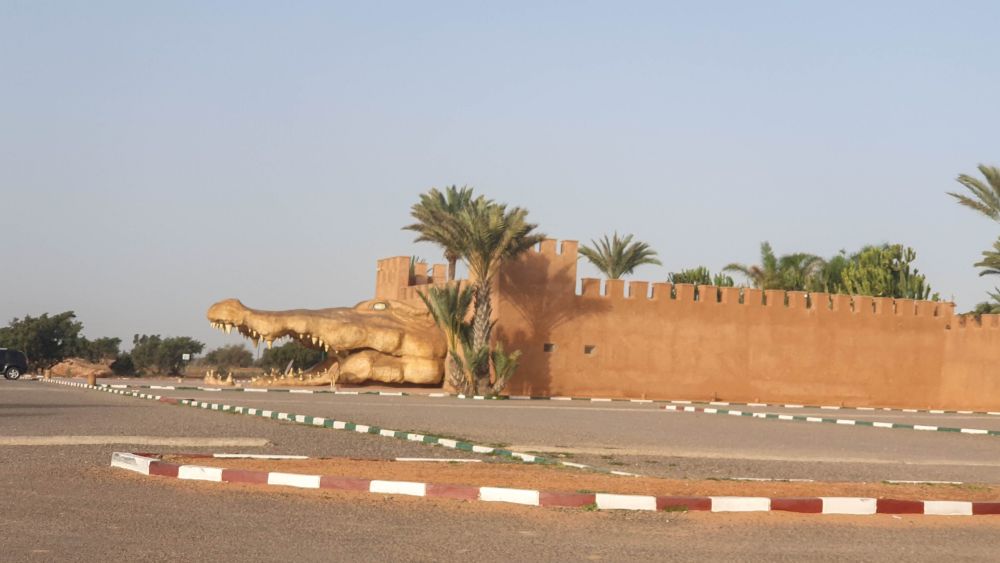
[{"x": 394, "y": 281}]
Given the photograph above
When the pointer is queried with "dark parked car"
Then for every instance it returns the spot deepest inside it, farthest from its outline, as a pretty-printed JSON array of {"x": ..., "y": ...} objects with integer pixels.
[{"x": 13, "y": 363}]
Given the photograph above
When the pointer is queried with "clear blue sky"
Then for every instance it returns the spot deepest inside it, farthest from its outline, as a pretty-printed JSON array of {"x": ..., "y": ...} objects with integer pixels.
[{"x": 157, "y": 157}]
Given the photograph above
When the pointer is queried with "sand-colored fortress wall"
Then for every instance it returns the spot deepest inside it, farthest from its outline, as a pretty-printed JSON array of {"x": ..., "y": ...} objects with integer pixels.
[
  {"x": 392, "y": 278},
  {"x": 970, "y": 374},
  {"x": 653, "y": 340}
]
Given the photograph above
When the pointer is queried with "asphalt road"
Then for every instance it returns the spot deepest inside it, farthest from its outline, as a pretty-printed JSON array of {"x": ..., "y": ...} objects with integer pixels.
[
  {"x": 644, "y": 438},
  {"x": 63, "y": 503}
]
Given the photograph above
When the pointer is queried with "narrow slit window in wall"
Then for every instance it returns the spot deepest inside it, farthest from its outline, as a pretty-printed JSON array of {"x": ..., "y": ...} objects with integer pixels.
[
  {"x": 549, "y": 347},
  {"x": 589, "y": 349}
]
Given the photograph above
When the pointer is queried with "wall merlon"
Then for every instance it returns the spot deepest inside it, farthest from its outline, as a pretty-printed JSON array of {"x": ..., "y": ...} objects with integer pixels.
[
  {"x": 391, "y": 274},
  {"x": 753, "y": 297},
  {"x": 569, "y": 248},
  {"x": 615, "y": 289},
  {"x": 548, "y": 247},
  {"x": 906, "y": 308},
  {"x": 420, "y": 269},
  {"x": 774, "y": 297},
  {"x": 819, "y": 301},
  {"x": 684, "y": 292},
  {"x": 841, "y": 303},
  {"x": 590, "y": 287},
  {"x": 662, "y": 292},
  {"x": 797, "y": 300},
  {"x": 729, "y": 295},
  {"x": 864, "y": 305},
  {"x": 439, "y": 273},
  {"x": 883, "y": 306},
  {"x": 945, "y": 309},
  {"x": 638, "y": 290},
  {"x": 925, "y": 308},
  {"x": 708, "y": 294}
]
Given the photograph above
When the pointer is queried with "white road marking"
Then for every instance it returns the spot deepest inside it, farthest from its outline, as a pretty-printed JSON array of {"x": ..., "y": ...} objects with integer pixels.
[
  {"x": 133, "y": 440},
  {"x": 895, "y": 482},
  {"x": 765, "y": 479},
  {"x": 439, "y": 460},
  {"x": 741, "y": 455}
]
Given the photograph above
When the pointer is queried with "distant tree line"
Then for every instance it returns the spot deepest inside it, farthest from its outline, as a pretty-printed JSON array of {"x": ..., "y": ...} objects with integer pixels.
[
  {"x": 277, "y": 358},
  {"x": 877, "y": 270},
  {"x": 50, "y": 339}
]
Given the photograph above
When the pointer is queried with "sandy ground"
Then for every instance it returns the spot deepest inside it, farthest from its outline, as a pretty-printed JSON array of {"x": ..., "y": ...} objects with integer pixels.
[{"x": 562, "y": 479}]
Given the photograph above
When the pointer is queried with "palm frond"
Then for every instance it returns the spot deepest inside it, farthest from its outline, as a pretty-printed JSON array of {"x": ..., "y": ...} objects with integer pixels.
[
  {"x": 618, "y": 256},
  {"x": 449, "y": 306},
  {"x": 492, "y": 233},
  {"x": 985, "y": 196},
  {"x": 437, "y": 215},
  {"x": 991, "y": 261}
]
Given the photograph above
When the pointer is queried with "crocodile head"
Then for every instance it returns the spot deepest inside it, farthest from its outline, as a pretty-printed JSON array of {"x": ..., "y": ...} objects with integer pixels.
[{"x": 378, "y": 340}]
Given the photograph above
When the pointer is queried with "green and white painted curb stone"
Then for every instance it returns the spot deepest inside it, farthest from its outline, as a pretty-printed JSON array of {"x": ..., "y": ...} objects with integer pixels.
[
  {"x": 820, "y": 419},
  {"x": 537, "y": 398},
  {"x": 323, "y": 422}
]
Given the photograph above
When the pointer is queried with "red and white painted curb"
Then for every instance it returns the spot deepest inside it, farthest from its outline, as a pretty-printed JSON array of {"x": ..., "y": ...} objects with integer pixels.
[{"x": 147, "y": 464}]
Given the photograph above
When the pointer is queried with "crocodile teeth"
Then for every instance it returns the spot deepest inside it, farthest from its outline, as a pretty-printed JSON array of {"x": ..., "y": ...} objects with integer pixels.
[{"x": 269, "y": 342}]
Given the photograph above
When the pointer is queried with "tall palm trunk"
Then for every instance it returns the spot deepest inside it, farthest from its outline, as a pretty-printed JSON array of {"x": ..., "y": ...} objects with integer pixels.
[
  {"x": 452, "y": 261},
  {"x": 456, "y": 375},
  {"x": 482, "y": 326}
]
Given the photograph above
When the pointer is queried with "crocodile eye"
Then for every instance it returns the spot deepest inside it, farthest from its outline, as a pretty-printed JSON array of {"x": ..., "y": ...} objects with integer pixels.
[{"x": 380, "y": 306}]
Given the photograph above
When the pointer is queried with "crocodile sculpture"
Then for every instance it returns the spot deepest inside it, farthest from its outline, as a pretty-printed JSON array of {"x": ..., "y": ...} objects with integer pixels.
[{"x": 378, "y": 340}]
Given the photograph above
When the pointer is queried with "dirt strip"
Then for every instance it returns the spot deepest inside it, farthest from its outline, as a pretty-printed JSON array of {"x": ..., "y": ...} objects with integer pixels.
[{"x": 557, "y": 479}]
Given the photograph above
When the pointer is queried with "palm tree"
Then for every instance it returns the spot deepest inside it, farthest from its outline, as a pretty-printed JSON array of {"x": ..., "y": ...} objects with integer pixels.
[
  {"x": 758, "y": 274},
  {"x": 985, "y": 196},
  {"x": 700, "y": 276},
  {"x": 789, "y": 272},
  {"x": 618, "y": 256},
  {"x": 437, "y": 214},
  {"x": 990, "y": 307},
  {"x": 449, "y": 306},
  {"x": 491, "y": 233},
  {"x": 990, "y": 261},
  {"x": 830, "y": 277}
]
